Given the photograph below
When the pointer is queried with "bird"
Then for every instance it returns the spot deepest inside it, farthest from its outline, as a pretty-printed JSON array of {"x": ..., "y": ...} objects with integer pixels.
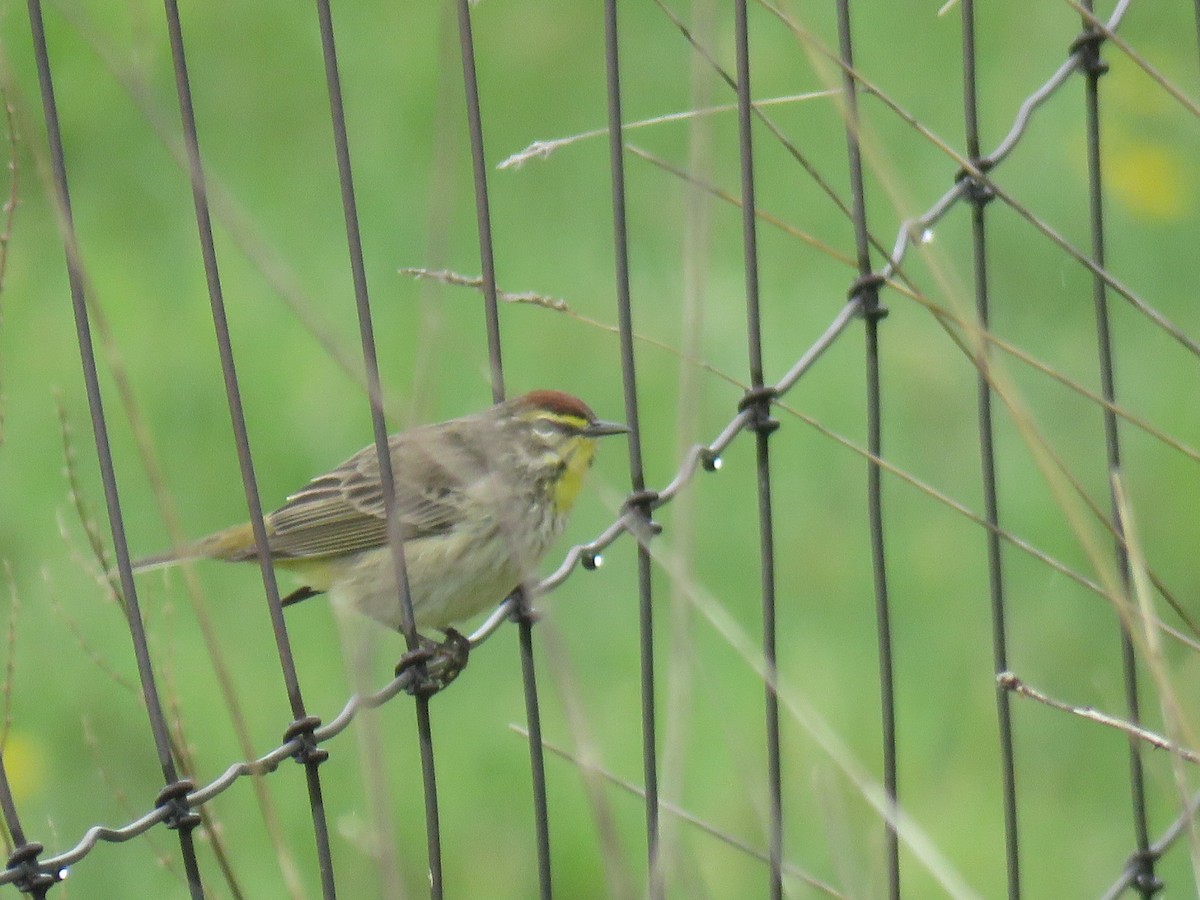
[{"x": 479, "y": 501}]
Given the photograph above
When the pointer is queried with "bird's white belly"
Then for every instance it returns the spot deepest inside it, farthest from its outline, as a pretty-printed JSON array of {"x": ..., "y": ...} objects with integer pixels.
[{"x": 447, "y": 584}]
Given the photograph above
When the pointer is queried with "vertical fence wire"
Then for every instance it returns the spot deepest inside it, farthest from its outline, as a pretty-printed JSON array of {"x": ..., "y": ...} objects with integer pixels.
[
  {"x": 1093, "y": 67},
  {"x": 865, "y": 290},
  {"x": 979, "y": 195},
  {"x": 483, "y": 214},
  {"x": 341, "y": 142},
  {"x": 533, "y": 717},
  {"x": 302, "y": 723},
  {"x": 537, "y": 760},
  {"x": 640, "y": 500},
  {"x": 758, "y": 400},
  {"x": 174, "y": 794}
]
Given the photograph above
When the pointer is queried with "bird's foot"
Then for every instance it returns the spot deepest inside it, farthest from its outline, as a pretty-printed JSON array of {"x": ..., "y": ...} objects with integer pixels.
[{"x": 435, "y": 664}]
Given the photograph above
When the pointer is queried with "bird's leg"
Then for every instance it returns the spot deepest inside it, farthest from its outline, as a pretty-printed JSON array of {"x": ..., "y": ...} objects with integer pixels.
[
  {"x": 301, "y": 593},
  {"x": 441, "y": 662}
]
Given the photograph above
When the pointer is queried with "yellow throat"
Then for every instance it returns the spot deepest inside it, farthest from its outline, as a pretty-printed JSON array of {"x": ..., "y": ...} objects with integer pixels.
[{"x": 577, "y": 460}]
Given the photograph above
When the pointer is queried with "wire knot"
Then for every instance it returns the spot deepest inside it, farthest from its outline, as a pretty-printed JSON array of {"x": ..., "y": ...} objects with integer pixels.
[
  {"x": 173, "y": 798},
  {"x": 1145, "y": 881},
  {"x": 758, "y": 400},
  {"x": 304, "y": 731},
  {"x": 33, "y": 878},
  {"x": 522, "y": 608},
  {"x": 978, "y": 191},
  {"x": 865, "y": 289},
  {"x": 642, "y": 503},
  {"x": 1087, "y": 46}
]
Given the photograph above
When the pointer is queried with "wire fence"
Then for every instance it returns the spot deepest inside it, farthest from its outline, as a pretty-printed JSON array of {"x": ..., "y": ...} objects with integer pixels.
[{"x": 880, "y": 270}]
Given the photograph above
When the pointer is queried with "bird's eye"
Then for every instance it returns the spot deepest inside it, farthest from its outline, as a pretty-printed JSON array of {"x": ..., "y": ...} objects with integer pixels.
[{"x": 546, "y": 428}]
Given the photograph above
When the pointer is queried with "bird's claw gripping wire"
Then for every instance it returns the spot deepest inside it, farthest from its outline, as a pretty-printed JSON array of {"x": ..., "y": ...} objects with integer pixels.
[{"x": 433, "y": 665}]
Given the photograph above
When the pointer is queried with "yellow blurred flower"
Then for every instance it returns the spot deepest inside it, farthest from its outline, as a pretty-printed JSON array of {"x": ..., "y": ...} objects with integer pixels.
[
  {"x": 24, "y": 763},
  {"x": 1151, "y": 180}
]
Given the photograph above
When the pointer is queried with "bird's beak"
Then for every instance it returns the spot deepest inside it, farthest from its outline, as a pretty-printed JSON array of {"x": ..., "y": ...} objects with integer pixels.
[{"x": 599, "y": 428}]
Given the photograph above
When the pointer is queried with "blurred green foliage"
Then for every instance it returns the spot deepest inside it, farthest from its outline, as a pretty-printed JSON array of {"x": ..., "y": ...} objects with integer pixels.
[{"x": 78, "y": 749}]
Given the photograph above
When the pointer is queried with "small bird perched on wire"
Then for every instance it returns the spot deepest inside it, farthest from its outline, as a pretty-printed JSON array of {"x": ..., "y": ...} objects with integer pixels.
[{"x": 479, "y": 501}]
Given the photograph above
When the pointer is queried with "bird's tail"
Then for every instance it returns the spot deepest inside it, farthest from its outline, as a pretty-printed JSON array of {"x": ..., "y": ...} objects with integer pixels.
[{"x": 231, "y": 544}]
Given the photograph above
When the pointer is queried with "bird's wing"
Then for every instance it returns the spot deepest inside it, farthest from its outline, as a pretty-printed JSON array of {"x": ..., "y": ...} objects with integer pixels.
[{"x": 344, "y": 512}]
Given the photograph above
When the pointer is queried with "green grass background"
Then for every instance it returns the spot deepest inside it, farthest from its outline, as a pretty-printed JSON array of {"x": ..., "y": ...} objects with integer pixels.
[{"x": 78, "y": 748}]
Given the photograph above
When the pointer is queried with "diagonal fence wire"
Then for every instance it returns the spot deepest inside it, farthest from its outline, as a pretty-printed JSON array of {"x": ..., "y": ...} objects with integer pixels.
[{"x": 26, "y": 870}]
